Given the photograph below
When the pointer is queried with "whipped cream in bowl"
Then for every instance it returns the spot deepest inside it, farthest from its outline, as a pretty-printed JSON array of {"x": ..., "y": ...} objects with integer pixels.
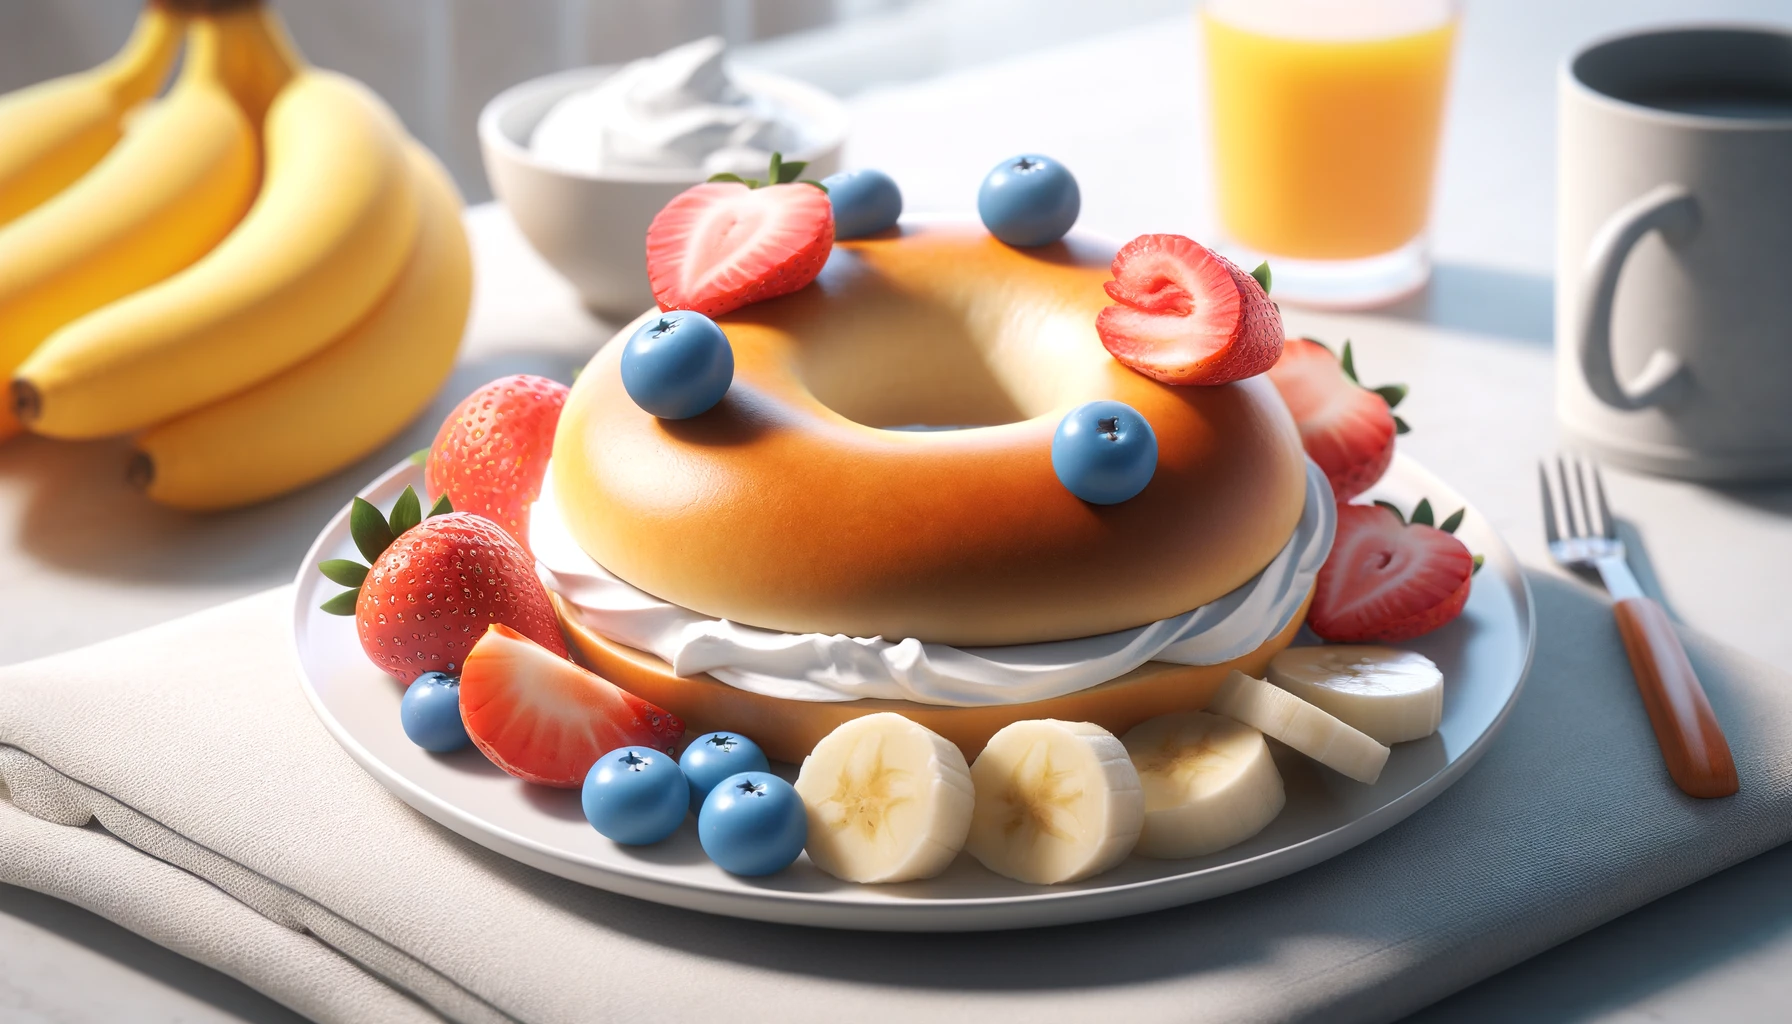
[
  {"x": 681, "y": 110},
  {"x": 583, "y": 159},
  {"x": 822, "y": 667}
]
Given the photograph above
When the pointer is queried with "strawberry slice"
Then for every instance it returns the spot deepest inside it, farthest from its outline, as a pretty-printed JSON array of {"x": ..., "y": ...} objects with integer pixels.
[
  {"x": 491, "y": 453},
  {"x": 544, "y": 719},
  {"x": 1346, "y": 429},
  {"x": 1187, "y": 315},
  {"x": 721, "y": 245},
  {"x": 1388, "y": 580}
]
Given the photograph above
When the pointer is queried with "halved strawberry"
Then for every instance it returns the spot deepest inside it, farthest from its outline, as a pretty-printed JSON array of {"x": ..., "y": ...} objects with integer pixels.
[
  {"x": 1387, "y": 579},
  {"x": 544, "y": 719},
  {"x": 1187, "y": 315},
  {"x": 731, "y": 241},
  {"x": 1346, "y": 428},
  {"x": 491, "y": 453}
]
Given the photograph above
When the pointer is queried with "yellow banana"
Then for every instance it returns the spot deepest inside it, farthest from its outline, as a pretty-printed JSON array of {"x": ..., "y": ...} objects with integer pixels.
[
  {"x": 326, "y": 237},
  {"x": 340, "y": 404},
  {"x": 52, "y": 132},
  {"x": 181, "y": 178}
]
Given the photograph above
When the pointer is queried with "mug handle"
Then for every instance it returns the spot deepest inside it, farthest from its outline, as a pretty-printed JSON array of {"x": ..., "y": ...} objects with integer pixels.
[{"x": 1672, "y": 211}]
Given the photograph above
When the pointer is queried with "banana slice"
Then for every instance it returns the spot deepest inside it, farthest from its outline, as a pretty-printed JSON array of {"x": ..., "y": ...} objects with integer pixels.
[
  {"x": 1056, "y": 801},
  {"x": 888, "y": 800},
  {"x": 1391, "y": 694},
  {"x": 1281, "y": 715},
  {"x": 1209, "y": 783}
]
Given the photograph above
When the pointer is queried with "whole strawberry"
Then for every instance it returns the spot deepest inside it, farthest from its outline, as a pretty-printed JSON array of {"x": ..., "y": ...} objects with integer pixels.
[
  {"x": 434, "y": 586},
  {"x": 492, "y": 451},
  {"x": 1347, "y": 429}
]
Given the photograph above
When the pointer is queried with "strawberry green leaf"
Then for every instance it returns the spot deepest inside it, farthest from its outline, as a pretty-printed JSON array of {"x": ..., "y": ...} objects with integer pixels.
[
  {"x": 1421, "y": 513},
  {"x": 1400, "y": 426},
  {"x": 775, "y": 176},
  {"x": 1262, "y": 275},
  {"x": 1449, "y": 525},
  {"x": 1392, "y": 394},
  {"x": 341, "y": 604},
  {"x": 789, "y": 172},
  {"x": 1391, "y": 507},
  {"x": 817, "y": 184},
  {"x": 441, "y": 507},
  {"x": 420, "y": 457},
  {"x": 735, "y": 178},
  {"x": 369, "y": 529},
  {"x": 345, "y": 571},
  {"x": 407, "y": 512},
  {"x": 1480, "y": 560},
  {"x": 1349, "y": 363}
]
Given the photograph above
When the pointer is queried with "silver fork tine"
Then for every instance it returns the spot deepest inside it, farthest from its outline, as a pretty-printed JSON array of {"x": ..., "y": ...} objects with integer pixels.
[
  {"x": 1605, "y": 510},
  {"x": 1574, "y": 529},
  {"x": 1580, "y": 480},
  {"x": 1549, "y": 505}
]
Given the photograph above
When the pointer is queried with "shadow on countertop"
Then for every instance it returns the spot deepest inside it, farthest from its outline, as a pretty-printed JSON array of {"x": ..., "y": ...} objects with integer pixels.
[{"x": 1484, "y": 300}]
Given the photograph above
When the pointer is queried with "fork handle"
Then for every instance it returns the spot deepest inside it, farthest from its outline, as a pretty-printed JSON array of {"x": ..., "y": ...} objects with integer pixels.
[{"x": 1692, "y": 743}]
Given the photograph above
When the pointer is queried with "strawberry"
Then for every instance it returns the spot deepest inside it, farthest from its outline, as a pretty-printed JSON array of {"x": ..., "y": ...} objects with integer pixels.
[
  {"x": 1390, "y": 580},
  {"x": 492, "y": 451},
  {"x": 434, "y": 586},
  {"x": 1187, "y": 315},
  {"x": 732, "y": 241},
  {"x": 544, "y": 719},
  {"x": 1346, "y": 428}
]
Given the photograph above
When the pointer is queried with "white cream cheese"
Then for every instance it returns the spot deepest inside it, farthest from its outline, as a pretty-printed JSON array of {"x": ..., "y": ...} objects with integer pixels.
[
  {"x": 819, "y": 667},
  {"x": 677, "y": 111}
]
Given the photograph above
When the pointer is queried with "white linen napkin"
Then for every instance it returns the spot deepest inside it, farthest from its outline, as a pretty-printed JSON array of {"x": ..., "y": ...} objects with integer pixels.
[{"x": 176, "y": 782}]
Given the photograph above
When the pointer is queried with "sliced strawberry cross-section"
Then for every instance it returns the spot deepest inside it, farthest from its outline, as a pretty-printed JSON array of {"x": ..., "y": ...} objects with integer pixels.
[
  {"x": 546, "y": 720},
  {"x": 1186, "y": 315},
  {"x": 1389, "y": 580},
  {"x": 722, "y": 245}
]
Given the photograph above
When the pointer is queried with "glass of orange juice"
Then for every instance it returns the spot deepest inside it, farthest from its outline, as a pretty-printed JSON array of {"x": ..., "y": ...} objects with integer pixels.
[{"x": 1326, "y": 116}]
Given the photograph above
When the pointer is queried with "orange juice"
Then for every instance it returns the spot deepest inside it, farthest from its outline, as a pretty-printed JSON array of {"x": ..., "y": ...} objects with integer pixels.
[{"x": 1325, "y": 135}]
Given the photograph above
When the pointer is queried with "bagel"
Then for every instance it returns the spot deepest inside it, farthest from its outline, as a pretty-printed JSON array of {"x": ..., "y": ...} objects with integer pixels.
[
  {"x": 788, "y": 730},
  {"x": 792, "y": 507}
]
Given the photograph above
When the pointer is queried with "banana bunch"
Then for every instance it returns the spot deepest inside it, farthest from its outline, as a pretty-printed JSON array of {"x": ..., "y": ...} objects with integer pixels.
[{"x": 258, "y": 275}]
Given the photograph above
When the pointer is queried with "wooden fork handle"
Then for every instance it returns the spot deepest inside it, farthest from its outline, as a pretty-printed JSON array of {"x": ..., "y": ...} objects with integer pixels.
[{"x": 1692, "y": 743}]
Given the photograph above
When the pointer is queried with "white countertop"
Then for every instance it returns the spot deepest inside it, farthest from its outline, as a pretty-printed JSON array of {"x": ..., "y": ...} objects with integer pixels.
[{"x": 82, "y": 558}]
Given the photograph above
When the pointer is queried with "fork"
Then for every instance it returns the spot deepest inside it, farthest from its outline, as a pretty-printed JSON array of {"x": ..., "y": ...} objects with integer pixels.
[{"x": 1692, "y": 743}]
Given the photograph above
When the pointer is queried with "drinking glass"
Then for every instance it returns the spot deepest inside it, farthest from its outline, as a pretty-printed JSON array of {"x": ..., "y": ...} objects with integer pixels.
[{"x": 1326, "y": 115}]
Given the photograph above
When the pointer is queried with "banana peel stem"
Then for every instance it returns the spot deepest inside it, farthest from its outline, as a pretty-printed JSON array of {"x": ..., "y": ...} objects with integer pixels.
[
  {"x": 137, "y": 71},
  {"x": 256, "y": 56}
]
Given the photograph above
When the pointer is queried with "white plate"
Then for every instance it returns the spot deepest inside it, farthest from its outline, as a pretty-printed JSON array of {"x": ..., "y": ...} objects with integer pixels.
[{"x": 1484, "y": 656}]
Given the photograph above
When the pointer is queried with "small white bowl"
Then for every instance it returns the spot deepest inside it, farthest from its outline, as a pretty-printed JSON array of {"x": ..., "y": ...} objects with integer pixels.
[{"x": 592, "y": 228}]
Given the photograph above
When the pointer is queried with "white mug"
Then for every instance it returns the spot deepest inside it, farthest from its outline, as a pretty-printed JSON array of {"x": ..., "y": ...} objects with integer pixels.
[{"x": 1674, "y": 252}]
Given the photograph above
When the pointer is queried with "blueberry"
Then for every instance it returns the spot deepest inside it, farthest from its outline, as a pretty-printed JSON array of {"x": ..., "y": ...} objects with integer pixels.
[
  {"x": 1104, "y": 452},
  {"x": 635, "y": 795},
  {"x": 865, "y": 202},
  {"x": 677, "y": 365},
  {"x": 753, "y": 824},
  {"x": 430, "y": 713},
  {"x": 1029, "y": 200},
  {"x": 713, "y": 757}
]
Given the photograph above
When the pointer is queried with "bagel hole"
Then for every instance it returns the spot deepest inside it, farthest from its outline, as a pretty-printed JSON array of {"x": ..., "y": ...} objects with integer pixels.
[
  {"x": 916, "y": 362},
  {"x": 930, "y": 376}
]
